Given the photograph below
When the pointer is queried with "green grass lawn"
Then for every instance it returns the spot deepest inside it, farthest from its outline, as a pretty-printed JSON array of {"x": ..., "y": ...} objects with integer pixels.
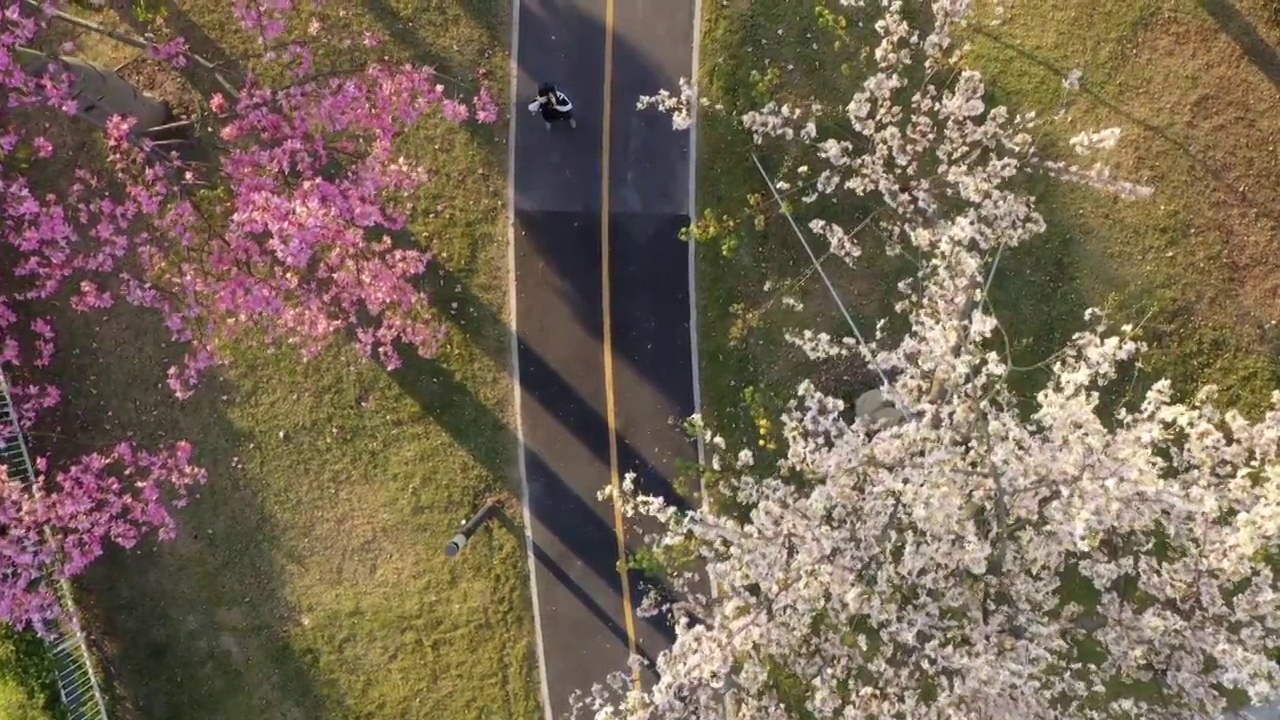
[
  {"x": 1192, "y": 82},
  {"x": 309, "y": 580}
]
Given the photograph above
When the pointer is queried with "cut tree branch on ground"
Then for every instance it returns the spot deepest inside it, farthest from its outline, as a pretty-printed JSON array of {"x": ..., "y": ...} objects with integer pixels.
[{"x": 139, "y": 43}]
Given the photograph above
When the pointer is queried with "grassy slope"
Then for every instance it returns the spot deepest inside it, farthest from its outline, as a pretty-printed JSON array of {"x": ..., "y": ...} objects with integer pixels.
[
  {"x": 309, "y": 581},
  {"x": 1203, "y": 125}
]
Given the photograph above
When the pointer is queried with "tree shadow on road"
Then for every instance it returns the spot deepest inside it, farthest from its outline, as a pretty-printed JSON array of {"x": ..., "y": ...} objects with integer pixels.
[
  {"x": 454, "y": 407},
  {"x": 541, "y": 557}
]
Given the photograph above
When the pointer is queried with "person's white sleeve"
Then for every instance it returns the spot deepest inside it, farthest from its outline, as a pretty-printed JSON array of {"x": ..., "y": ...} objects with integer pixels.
[
  {"x": 562, "y": 103},
  {"x": 533, "y": 106}
]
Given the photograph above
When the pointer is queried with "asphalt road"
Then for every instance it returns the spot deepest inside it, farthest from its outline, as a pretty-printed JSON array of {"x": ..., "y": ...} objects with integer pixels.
[{"x": 602, "y": 315}]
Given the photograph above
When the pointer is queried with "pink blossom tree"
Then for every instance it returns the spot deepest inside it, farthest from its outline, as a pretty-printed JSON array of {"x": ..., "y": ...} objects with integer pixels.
[{"x": 280, "y": 226}]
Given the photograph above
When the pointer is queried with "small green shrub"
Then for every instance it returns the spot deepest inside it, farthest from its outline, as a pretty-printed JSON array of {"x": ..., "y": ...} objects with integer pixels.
[{"x": 28, "y": 689}]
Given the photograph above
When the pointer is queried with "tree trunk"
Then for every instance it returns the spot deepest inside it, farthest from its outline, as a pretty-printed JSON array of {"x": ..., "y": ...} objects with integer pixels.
[{"x": 100, "y": 93}]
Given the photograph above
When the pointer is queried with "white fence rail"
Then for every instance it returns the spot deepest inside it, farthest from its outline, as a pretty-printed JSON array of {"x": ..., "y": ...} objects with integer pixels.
[{"x": 78, "y": 681}]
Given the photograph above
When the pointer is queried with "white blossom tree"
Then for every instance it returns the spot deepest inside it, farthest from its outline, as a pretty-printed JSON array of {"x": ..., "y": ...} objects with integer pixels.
[{"x": 969, "y": 558}]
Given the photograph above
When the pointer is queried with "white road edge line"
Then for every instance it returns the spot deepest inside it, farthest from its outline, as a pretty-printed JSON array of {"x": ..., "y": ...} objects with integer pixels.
[
  {"x": 693, "y": 245},
  {"x": 513, "y": 79},
  {"x": 696, "y": 364}
]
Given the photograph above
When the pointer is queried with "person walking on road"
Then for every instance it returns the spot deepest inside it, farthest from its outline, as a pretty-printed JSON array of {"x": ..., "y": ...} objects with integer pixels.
[{"x": 554, "y": 105}]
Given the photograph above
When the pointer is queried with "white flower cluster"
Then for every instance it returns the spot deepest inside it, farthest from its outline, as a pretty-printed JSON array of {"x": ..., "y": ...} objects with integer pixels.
[
  {"x": 978, "y": 560},
  {"x": 1087, "y": 142},
  {"x": 680, "y": 107},
  {"x": 1072, "y": 80}
]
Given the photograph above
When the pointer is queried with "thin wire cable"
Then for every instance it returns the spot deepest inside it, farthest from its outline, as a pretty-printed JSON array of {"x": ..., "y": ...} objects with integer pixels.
[{"x": 822, "y": 273}]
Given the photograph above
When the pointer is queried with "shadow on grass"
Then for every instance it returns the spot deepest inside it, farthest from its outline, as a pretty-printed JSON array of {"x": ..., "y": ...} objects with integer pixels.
[
  {"x": 1245, "y": 36},
  {"x": 488, "y": 15},
  {"x": 197, "y": 39},
  {"x": 1187, "y": 352},
  {"x": 1213, "y": 171},
  {"x": 1037, "y": 297},
  {"x": 196, "y": 627},
  {"x": 1057, "y": 71}
]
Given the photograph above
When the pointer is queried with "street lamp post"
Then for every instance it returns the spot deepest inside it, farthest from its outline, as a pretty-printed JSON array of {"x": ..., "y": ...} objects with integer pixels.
[{"x": 459, "y": 541}]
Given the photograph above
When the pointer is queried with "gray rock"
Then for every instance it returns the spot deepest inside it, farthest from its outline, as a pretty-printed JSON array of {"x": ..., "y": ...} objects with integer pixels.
[{"x": 869, "y": 402}]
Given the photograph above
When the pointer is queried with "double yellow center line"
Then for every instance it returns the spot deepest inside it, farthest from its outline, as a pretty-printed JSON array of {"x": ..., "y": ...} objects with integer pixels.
[{"x": 611, "y": 420}]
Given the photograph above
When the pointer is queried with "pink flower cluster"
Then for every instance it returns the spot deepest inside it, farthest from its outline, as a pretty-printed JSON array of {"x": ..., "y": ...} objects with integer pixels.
[
  {"x": 173, "y": 52},
  {"x": 265, "y": 17},
  {"x": 18, "y": 88},
  {"x": 288, "y": 238},
  {"x": 56, "y": 524}
]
